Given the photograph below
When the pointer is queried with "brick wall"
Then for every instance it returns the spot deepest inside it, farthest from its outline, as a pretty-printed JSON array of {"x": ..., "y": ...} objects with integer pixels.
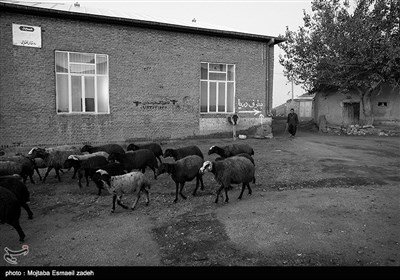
[{"x": 145, "y": 65}]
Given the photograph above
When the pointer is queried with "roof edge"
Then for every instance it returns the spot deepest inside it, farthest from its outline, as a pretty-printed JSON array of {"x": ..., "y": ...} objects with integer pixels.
[{"x": 139, "y": 23}]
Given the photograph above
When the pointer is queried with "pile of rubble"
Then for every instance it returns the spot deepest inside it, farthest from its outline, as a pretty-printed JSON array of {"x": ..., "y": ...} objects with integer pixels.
[{"x": 361, "y": 130}]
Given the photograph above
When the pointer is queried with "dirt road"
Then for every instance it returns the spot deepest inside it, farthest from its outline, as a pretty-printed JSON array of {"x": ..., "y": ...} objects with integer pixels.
[{"x": 319, "y": 200}]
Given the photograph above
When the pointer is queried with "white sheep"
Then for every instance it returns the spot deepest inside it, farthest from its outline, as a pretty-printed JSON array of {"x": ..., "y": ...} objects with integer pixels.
[
  {"x": 86, "y": 156},
  {"x": 124, "y": 184},
  {"x": 54, "y": 157}
]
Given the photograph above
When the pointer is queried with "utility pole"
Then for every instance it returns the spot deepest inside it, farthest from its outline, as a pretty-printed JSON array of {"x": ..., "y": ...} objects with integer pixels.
[{"x": 292, "y": 90}]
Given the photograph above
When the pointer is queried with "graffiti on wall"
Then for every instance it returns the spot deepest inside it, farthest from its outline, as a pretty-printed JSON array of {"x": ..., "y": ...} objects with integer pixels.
[
  {"x": 250, "y": 107},
  {"x": 162, "y": 104}
]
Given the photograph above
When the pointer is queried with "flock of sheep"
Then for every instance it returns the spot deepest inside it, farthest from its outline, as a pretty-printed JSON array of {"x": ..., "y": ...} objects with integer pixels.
[{"x": 111, "y": 168}]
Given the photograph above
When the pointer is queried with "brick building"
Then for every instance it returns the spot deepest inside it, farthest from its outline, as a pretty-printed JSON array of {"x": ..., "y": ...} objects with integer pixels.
[{"x": 73, "y": 77}]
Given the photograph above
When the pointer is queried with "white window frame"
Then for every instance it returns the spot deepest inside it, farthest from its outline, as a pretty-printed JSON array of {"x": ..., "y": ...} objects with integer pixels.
[
  {"x": 226, "y": 81},
  {"x": 82, "y": 75}
]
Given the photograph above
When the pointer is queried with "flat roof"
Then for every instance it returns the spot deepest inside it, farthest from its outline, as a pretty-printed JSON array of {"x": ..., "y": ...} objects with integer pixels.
[{"x": 76, "y": 11}]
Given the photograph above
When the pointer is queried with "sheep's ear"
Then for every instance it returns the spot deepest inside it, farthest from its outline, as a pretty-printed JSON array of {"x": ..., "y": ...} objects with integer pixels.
[
  {"x": 31, "y": 151},
  {"x": 211, "y": 148},
  {"x": 101, "y": 171}
]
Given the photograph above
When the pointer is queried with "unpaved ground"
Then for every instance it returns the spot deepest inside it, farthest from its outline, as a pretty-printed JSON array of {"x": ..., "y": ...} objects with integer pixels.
[{"x": 318, "y": 200}]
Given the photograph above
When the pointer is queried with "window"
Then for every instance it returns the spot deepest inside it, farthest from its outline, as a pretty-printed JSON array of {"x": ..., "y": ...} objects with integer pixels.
[
  {"x": 217, "y": 88},
  {"x": 382, "y": 104},
  {"x": 81, "y": 82}
]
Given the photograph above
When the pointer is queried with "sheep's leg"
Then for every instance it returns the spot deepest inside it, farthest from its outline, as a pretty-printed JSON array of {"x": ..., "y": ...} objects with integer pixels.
[
  {"x": 31, "y": 177},
  {"x": 226, "y": 195},
  {"x": 87, "y": 178},
  {"x": 119, "y": 197},
  {"x": 241, "y": 192},
  {"x": 47, "y": 173},
  {"x": 147, "y": 196},
  {"x": 58, "y": 174},
  {"x": 159, "y": 159},
  {"x": 218, "y": 192},
  {"x": 136, "y": 200},
  {"x": 180, "y": 191},
  {"x": 38, "y": 173},
  {"x": 151, "y": 165},
  {"x": 197, "y": 185},
  {"x": 24, "y": 178},
  {"x": 113, "y": 203},
  {"x": 75, "y": 171},
  {"x": 28, "y": 210},
  {"x": 248, "y": 186},
  {"x": 15, "y": 224},
  {"x": 80, "y": 178},
  {"x": 201, "y": 181},
  {"x": 176, "y": 192}
]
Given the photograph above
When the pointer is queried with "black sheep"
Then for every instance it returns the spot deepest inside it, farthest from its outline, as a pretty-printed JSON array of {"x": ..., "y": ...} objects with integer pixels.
[
  {"x": 233, "y": 170},
  {"x": 109, "y": 148},
  {"x": 241, "y": 155},
  {"x": 10, "y": 211},
  {"x": 12, "y": 167},
  {"x": 139, "y": 159},
  {"x": 154, "y": 147},
  {"x": 182, "y": 152},
  {"x": 83, "y": 166},
  {"x": 28, "y": 165},
  {"x": 184, "y": 170},
  {"x": 20, "y": 190},
  {"x": 113, "y": 169},
  {"x": 231, "y": 150}
]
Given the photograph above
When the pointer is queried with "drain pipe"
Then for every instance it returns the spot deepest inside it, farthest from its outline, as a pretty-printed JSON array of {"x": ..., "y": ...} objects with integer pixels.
[{"x": 269, "y": 85}]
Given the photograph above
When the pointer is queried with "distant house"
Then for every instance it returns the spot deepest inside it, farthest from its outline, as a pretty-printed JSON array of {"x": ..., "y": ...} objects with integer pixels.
[
  {"x": 73, "y": 75},
  {"x": 302, "y": 105},
  {"x": 345, "y": 109}
]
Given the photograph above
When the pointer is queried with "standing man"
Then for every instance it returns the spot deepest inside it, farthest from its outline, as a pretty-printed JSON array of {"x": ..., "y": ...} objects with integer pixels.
[
  {"x": 235, "y": 120},
  {"x": 292, "y": 122}
]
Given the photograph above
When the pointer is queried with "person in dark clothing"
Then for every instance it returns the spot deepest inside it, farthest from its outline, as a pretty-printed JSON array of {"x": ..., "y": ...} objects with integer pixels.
[{"x": 292, "y": 122}]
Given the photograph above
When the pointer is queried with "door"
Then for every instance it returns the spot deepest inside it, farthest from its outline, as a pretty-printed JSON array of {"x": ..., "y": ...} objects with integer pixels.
[
  {"x": 305, "y": 109},
  {"x": 351, "y": 113}
]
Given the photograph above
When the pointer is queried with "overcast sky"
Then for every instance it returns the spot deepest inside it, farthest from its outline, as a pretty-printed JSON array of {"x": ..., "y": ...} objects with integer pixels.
[
  {"x": 265, "y": 17},
  {"x": 259, "y": 17}
]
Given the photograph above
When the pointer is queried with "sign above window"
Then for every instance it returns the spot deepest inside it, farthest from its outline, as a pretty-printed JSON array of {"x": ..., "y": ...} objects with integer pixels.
[{"x": 27, "y": 36}]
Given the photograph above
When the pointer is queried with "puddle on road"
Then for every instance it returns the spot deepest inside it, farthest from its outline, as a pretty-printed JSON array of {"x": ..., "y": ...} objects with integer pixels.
[{"x": 199, "y": 239}]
